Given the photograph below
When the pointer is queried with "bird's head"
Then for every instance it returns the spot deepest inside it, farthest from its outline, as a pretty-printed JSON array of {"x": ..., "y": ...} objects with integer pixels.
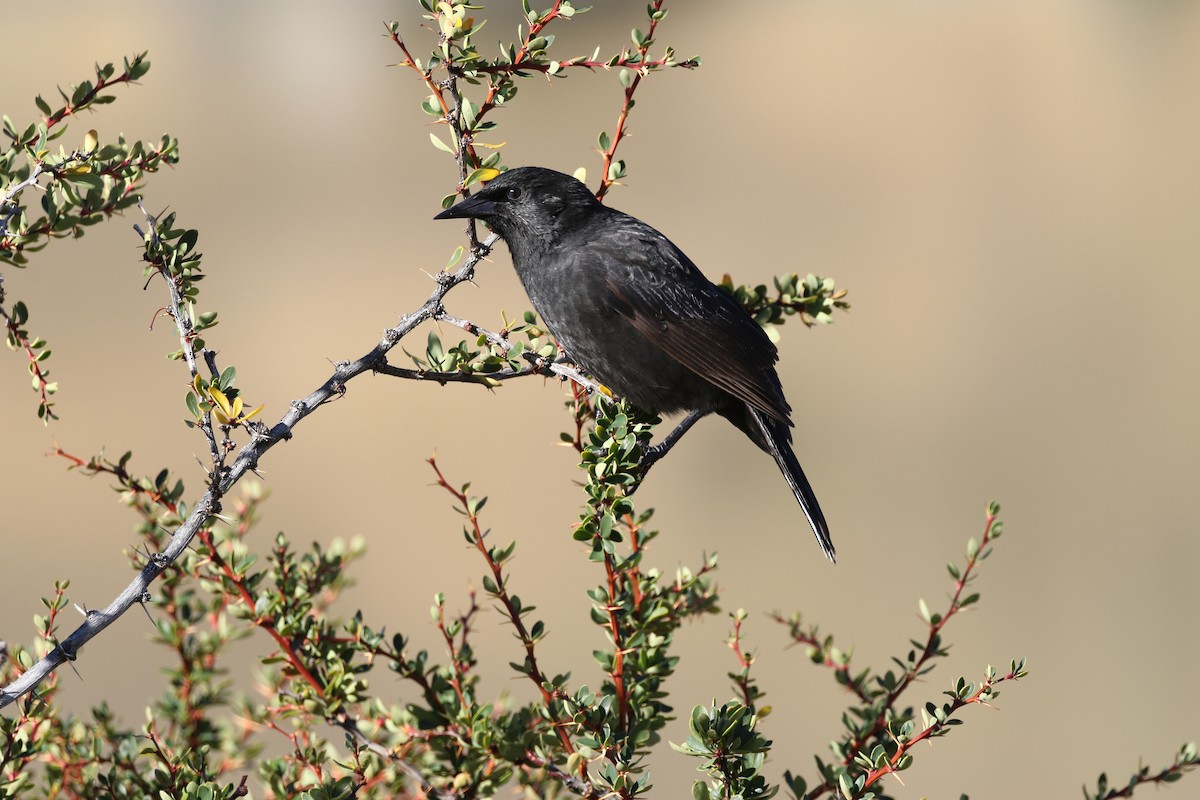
[{"x": 526, "y": 202}]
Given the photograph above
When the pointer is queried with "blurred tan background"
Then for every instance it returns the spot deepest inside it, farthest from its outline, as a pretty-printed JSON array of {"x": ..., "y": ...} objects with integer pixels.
[{"x": 1009, "y": 191}]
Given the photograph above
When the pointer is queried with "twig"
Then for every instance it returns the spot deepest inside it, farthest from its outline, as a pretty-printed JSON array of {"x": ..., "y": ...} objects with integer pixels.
[
  {"x": 40, "y": 375},
  {"x": 286, "y": 647},
  {"x": 478, "y": 378},
  {"x": 343, "y": 721},
  {"x": 88, "y": 97},
  {"x": 1186, "y": 760},
  {"x": 574, "y": 783},
  {"x": 94, "y": 466},
  {"x": 741, "y": 679},
  {"x": 15, "y": 190},
  {"x": 820, "y": 652}
]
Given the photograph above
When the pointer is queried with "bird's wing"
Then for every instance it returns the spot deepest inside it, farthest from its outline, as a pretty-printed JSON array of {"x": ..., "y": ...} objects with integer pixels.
[{"x": 669, "y": 301}]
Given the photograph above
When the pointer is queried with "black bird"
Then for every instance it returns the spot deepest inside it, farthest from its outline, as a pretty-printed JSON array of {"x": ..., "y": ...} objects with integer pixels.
[{"x": 630, "y": 308}]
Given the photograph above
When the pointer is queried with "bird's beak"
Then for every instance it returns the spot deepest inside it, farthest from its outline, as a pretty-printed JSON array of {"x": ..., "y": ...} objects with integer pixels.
[{"x": 474, "y": 207}]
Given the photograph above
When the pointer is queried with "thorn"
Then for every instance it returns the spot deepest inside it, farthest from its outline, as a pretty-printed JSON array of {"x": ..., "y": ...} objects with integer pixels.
[
  {"x": 143, "y": 599},
  {"x": 69, "y": 656}
]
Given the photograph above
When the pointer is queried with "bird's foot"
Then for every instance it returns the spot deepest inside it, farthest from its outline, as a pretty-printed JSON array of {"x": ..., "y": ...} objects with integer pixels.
[{"x": 652, "y": 453}]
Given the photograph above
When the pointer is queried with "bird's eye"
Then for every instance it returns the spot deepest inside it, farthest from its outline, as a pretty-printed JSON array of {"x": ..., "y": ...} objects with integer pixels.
[{"x": 514, "y": 193}]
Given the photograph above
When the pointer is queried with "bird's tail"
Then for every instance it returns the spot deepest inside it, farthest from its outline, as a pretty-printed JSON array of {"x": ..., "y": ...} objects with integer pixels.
[{"x": 777, "y": 441}]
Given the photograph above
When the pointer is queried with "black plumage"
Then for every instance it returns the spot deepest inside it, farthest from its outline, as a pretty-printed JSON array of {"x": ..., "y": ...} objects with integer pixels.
[{"x": 630, "y": 308}]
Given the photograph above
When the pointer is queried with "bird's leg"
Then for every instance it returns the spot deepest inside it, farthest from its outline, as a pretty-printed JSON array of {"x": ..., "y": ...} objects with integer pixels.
[{"x": 653, "y": 453}]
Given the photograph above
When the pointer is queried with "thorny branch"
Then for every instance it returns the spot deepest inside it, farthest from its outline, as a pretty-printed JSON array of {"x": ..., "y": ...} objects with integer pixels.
[{"x": 223, "y": 480}]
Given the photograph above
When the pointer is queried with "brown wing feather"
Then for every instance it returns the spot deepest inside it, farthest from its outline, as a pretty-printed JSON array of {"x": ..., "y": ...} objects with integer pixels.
[{"x": 715, "y": 339}]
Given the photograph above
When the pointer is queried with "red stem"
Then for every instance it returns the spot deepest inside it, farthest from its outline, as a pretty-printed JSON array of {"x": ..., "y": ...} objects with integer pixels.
[
  {"x": 124, "y": 478},
  {"x": 876, "y": 774},
  {"x": 266, "y": 624},
  {"x": 14, "y": 331},
  {"x": 618, "y": 668},
  {"x": 610, "y": 154},
  {"x": 535, "y": 672},
  {"x": 457, "y": 682},
  {"x": 735, "y": 644}
]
